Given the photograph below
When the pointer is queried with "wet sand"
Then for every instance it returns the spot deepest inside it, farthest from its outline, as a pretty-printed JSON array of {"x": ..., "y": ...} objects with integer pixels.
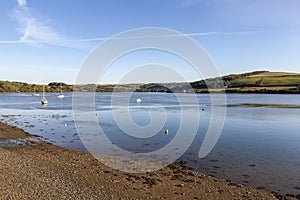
[
  {"x": 38, "y": 170},
  {"x": 11, "y": 132}
]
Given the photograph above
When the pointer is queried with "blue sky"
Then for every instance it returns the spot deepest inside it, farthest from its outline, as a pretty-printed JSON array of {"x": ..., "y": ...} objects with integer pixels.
[{"x": 48, "y": 40}]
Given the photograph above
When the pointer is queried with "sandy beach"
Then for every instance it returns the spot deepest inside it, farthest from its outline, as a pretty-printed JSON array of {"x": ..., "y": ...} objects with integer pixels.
[{"x": 39, "y": 170}]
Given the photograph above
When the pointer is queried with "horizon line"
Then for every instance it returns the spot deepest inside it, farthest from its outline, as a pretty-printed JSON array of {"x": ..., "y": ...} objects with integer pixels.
[{"x": 114, "y": 83}]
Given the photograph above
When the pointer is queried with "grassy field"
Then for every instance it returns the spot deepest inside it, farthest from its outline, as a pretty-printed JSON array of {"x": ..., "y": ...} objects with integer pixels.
[
  {"x": 265, "y": 82},
  {"x": 268, "y": 80}
]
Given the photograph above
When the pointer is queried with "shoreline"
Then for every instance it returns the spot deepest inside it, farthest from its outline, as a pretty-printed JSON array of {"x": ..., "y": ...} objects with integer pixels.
[
  {"x": 12, "y": 132},
  {"x": 39, "y": 169},
  {"x": 196, "y": 92}
]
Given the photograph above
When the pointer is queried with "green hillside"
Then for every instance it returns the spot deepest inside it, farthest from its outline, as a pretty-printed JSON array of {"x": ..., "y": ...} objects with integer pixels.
[
  {"x": 253, "y": 82},
  {"x": 263, "y": 82}
]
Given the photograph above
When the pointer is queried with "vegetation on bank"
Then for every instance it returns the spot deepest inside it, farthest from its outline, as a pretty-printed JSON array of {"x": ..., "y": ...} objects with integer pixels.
[
  {"x": 253, "y": 82},
  {"x": 6, "y": 86}
]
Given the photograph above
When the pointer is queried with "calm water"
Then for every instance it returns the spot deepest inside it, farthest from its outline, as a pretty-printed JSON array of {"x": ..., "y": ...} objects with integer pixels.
[{"x": 258, "y": 147}]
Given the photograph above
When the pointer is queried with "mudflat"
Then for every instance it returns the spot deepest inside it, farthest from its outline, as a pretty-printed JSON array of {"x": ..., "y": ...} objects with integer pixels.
[
  {"x": 10, "y": 132},
  {"x": 38, "y": 170}
]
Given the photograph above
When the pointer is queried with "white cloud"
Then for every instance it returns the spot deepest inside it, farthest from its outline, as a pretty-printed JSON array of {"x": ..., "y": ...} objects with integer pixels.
[
  {"x": 33, "y": 28},
  {"x": 199, "y": 34},
  {"x": 22, "y": 3},
  {"x": 36, "y": 30}
]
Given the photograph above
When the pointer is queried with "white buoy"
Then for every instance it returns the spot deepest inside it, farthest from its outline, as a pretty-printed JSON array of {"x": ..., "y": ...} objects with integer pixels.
[{"x": 138, "y": 100}]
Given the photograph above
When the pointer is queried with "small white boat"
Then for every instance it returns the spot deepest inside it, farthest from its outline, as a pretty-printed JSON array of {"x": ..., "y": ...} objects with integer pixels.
[
  {"x": 138, "y": 100},
  {"x": 61, "y": 96},
  {"x": 34, "y": 93},
  {"x": 44, "y": 100},
  {"x": 61, "y": 92}
]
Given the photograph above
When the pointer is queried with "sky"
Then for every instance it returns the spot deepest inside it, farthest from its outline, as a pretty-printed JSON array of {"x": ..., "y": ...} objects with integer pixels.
[{"x": 46, "y": 41}]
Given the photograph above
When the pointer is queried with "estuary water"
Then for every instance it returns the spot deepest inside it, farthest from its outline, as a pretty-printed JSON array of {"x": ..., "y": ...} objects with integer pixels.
[{"x": 259, "y": 145}]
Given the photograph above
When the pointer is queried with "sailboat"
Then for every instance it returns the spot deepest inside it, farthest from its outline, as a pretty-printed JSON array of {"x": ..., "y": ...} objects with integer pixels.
[
  {"x": 44, "y": 100},
  {"x": 34, "y": 93},
  {"x": 61, "y": 92},
  {"x": 17, "y": 90}
]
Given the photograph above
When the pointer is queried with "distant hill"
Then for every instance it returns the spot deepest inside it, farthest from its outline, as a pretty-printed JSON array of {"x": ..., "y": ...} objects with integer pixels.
[
  {"x": 252, "y": 82},
  {"x": 262, "y": 82},
  {"x": 7, "y": 86}
]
